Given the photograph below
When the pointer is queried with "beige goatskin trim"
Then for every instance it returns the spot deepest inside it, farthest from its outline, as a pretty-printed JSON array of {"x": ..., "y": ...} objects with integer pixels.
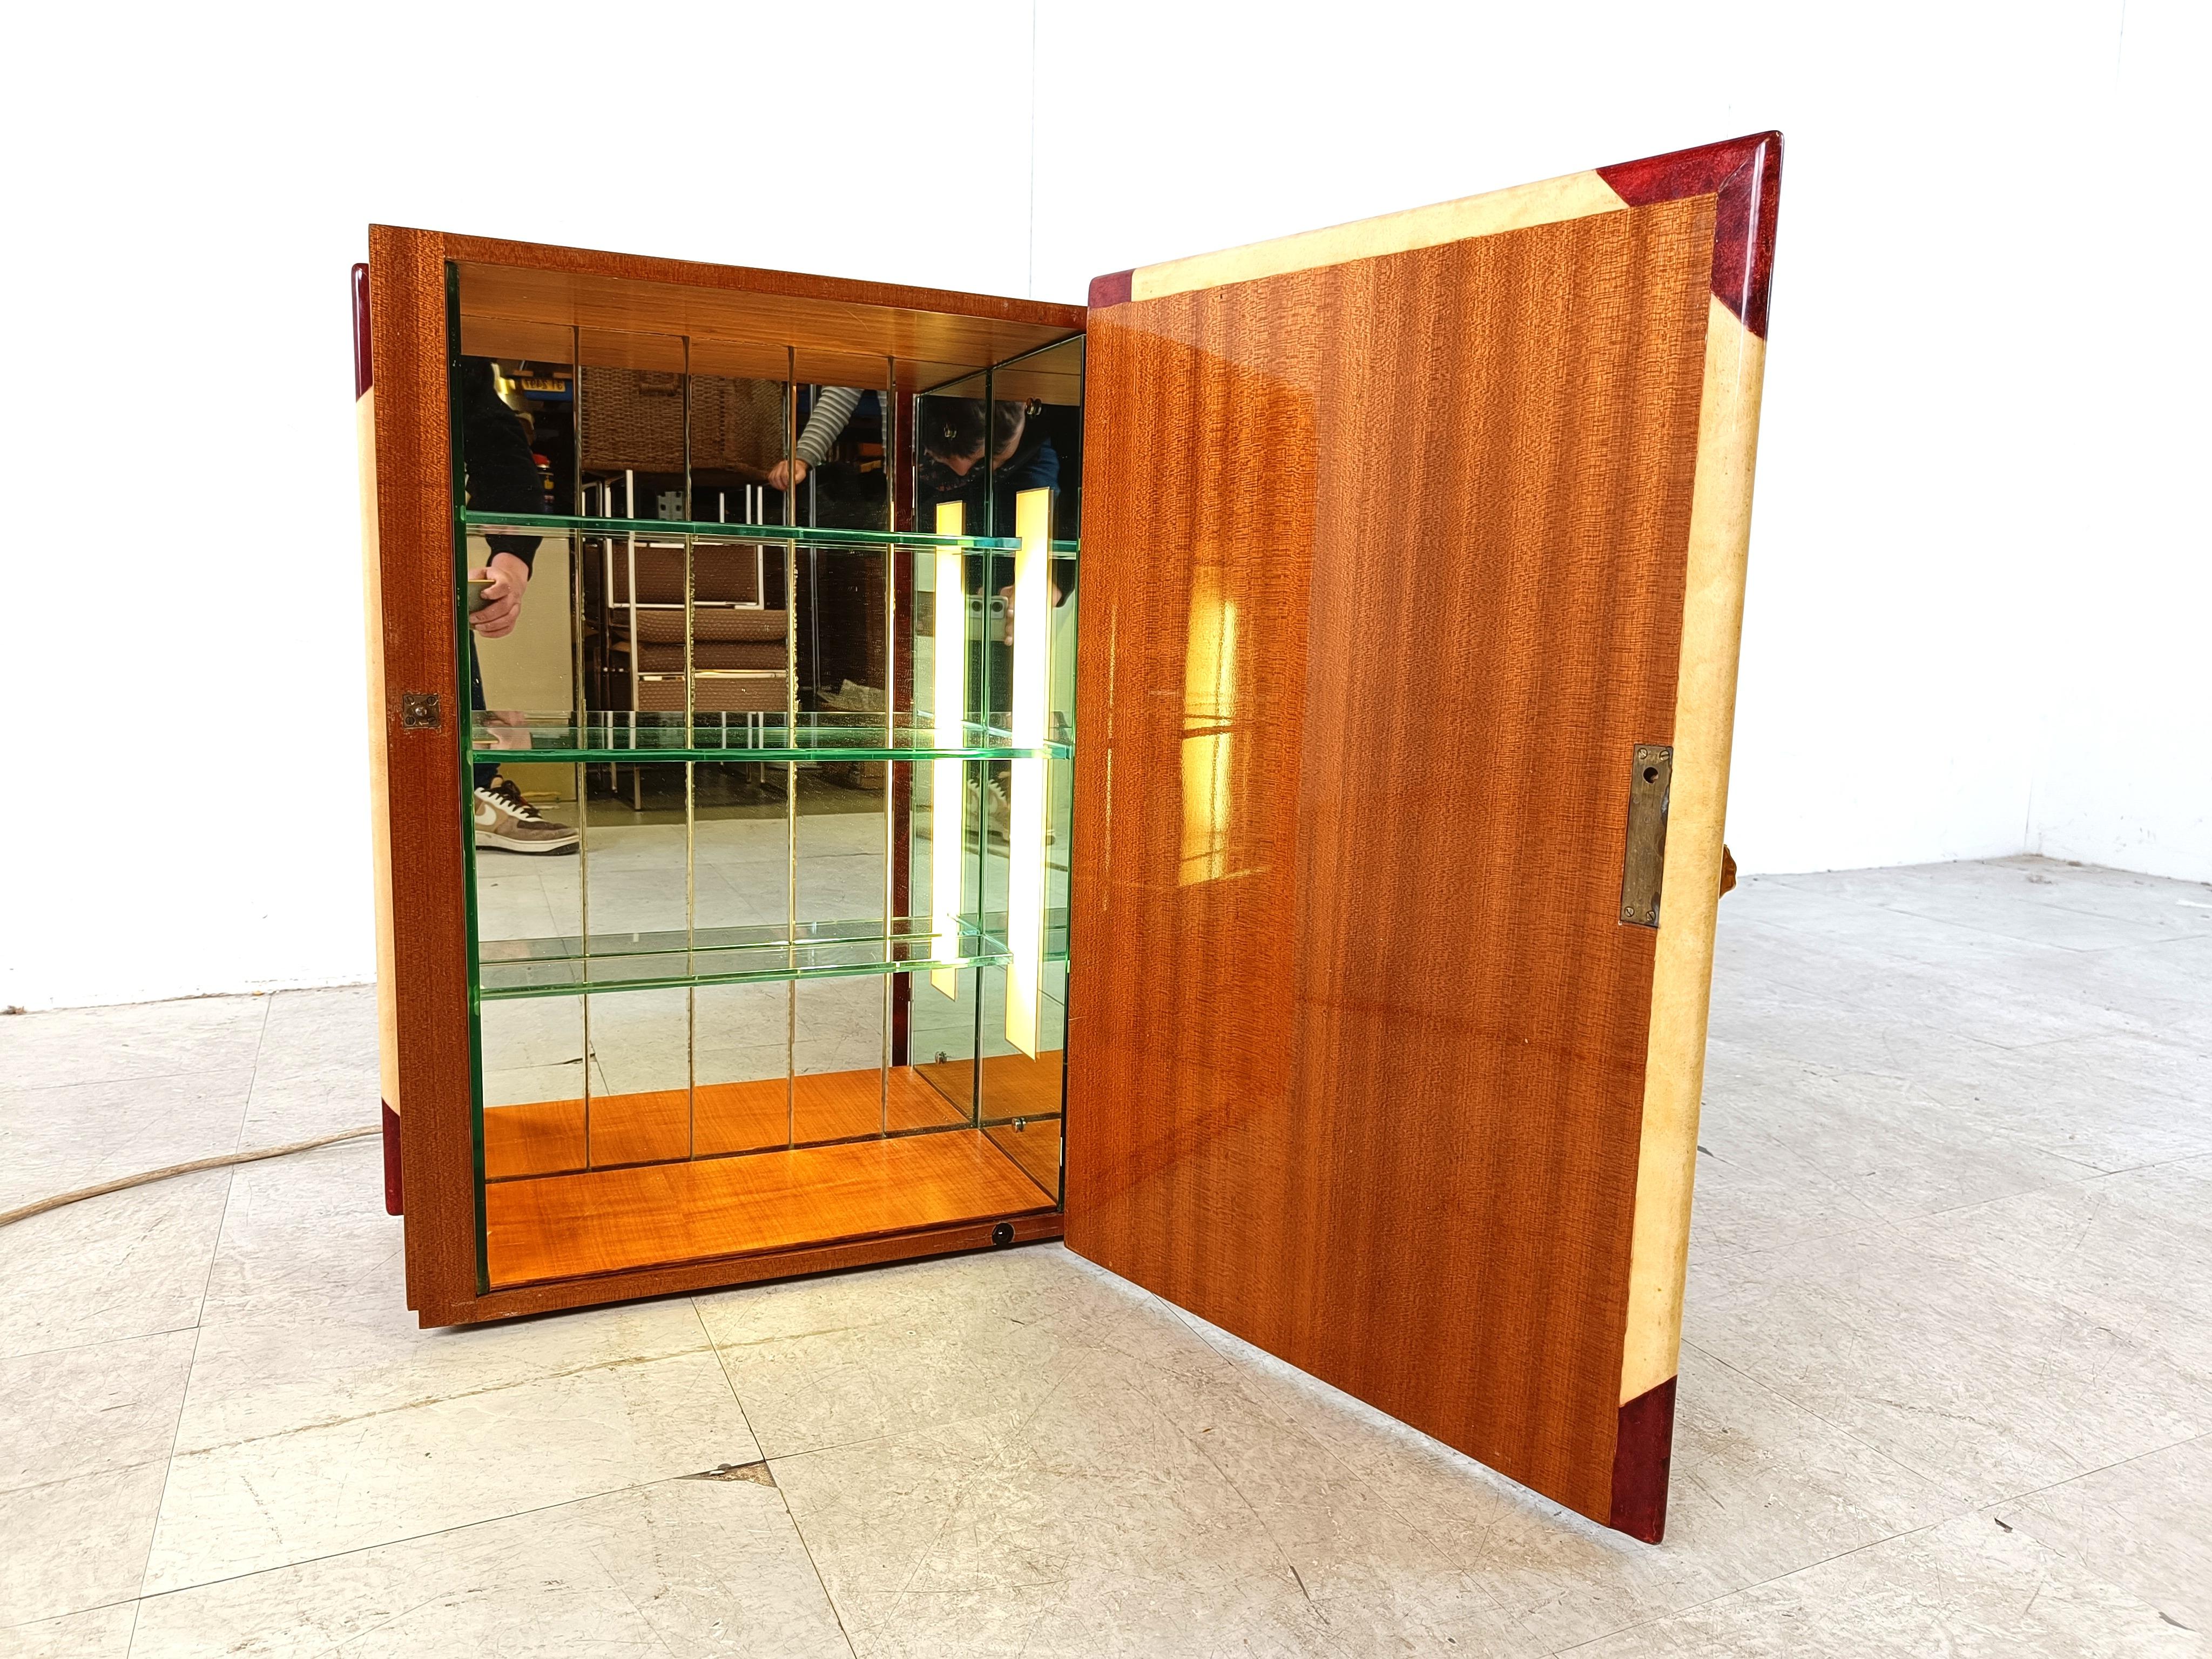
[
  {"x": 1705, "y": 720},
  {"x": 1577, "y": 196},
  {"x": 379, "y": 781}
]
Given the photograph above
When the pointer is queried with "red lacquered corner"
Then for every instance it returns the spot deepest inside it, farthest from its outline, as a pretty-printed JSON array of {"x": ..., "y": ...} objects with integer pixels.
[
  {"x": 394, "y": 1198},
  {"x": 1642, "y": 1452},
  {"x": 363, "y": 374},
  {"x": 1746, "y": 173},
  {"x": 1112, "y": 290}
]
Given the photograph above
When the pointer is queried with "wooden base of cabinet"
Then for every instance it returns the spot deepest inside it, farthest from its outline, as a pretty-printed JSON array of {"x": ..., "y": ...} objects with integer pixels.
[{"x": 608, "y": 1221}]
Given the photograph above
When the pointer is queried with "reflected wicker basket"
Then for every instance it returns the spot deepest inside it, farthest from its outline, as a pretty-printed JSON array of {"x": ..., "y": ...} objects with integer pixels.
[{"x": 632, "y": 419}]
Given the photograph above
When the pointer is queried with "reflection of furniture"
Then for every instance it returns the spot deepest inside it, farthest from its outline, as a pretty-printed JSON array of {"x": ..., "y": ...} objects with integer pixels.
[
  {"x": 740, "y": 648},
  {"x": 649, "y": 421},
  {"x": 1415, "y": 554},
  {"x": 633, "y": 590}
]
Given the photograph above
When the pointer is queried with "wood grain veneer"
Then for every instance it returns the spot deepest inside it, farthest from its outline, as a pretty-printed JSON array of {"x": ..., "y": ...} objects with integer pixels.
[
  {"x": 415, "y": 577},
  {"x": 548, "y": 1296},
  {"x": 634, "y": 291},
  {"x": 568, "y": 1226},
  {"x": 547, "y": 1137},
  {"x": 522, "y": 299},
  {"x": 1384, "y": 567}
]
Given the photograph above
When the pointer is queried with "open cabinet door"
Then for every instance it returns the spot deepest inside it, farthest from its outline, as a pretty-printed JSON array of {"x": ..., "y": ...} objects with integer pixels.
[{"x": 1414, "y": 556}]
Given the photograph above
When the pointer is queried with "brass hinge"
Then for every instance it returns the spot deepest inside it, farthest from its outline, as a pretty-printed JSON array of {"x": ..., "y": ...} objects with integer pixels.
[{"x": 1643, "y": 865}]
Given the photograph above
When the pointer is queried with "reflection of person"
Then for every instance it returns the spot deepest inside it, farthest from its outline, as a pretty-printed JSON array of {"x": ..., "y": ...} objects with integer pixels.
[
  {"x": 833, "y": 407},
  {"x": 1021, "y": 458},
  {"x": 952, "y": 469},
  {"x": 503, "y": 477}
]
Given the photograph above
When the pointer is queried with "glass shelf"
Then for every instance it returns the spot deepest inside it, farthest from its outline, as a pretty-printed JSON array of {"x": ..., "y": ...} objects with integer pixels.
[
  {"x": 714, "y": 530},
  {"x": 743, "y": 953},
  {"x": 622, "y": 736},
  {"x": 736, "y": 956}
]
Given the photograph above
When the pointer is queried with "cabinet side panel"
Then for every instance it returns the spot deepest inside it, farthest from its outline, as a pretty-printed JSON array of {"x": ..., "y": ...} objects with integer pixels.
[
  {"x": 379, "y": 775},
  {"x": 1357, "y": 1036},
  {"x": 1704, "y": 724},
  {"x": 387, "y": 1041},
  {"x": 425, "y": 977}
]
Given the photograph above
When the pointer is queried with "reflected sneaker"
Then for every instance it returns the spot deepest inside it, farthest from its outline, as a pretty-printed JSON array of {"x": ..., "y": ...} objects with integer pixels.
[
  {"x": 998, "y": 811},
  {"x": 506, "y": 821}
]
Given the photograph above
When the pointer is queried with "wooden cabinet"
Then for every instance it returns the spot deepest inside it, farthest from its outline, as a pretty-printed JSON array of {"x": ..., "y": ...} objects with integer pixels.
[{"x": 1354, "y": 885}]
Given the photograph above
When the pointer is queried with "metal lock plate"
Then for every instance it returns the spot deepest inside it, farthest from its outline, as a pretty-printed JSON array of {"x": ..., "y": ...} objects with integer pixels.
[
  {"x": 420, "y": 711},
  {"x": 1644, "y": 864}
]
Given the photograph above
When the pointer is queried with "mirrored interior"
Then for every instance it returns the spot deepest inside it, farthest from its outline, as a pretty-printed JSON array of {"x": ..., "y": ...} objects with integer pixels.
[{"x": 770, "y": 646}]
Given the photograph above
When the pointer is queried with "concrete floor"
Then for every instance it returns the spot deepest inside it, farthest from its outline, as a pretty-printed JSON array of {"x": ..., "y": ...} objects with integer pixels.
[{"x": 1947, "y": 1381}]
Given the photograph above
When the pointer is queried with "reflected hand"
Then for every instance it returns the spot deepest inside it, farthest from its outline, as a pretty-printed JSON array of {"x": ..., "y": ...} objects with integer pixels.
[
  {"x": 503, "y": 597},
  {"x": 784, "y": 474},
  {"x": 507, "y": 728}
]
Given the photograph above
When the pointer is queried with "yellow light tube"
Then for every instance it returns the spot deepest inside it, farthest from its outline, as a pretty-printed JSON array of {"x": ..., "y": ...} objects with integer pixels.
[
  {"x": 1031, "y": 619},
  {"x": 949, "y": 657},
  {"x": 1209, "y": 710}
]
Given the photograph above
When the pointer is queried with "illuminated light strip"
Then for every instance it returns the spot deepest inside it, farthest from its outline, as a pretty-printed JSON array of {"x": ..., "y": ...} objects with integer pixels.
[
  {"x": 949, "y": 651},
  {"x": 1031, "y": 618}
]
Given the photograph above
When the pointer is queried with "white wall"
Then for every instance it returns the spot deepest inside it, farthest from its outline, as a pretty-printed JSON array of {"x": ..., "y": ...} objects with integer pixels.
[
  {"x": 190, "y": 186},
  {"x": 1979, "y": 571},
  {"x": 1976, "y": 617},
  {"x": 2126, "y": 778}
]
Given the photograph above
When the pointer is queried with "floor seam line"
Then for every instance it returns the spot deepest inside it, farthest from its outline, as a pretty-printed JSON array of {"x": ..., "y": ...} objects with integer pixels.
[
  {"x": 2068, "y": 1481},
  {"x": 408, "y": 1538},
  {"x": 789, "y": 1514},
  {"x": 98, "y": 1342},
  {"x": 1241, "y": 1377},
  {"x": 1844, "y": 1429},
  {"x": 169, "y": 1465},
  {"x": 625, "y": 1363},
  {"x": 74, "y": 1613},
  {"x": 192, "y": 1369},
  {"x": 253, "y": 1078},
  {"x": 1771, "y": 1578}
]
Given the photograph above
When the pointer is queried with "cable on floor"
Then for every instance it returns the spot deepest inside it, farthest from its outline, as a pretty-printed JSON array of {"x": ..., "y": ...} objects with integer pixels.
[{"x": 8, "y": 1218}]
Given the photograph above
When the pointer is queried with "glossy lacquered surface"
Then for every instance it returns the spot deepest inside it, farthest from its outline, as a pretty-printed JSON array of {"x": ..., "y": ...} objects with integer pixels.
[
  {"x": 1384, "y": 583},
  {"x": 564, "y": 1227}
]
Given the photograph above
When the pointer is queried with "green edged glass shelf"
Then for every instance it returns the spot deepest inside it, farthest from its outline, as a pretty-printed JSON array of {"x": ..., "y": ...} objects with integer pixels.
[
  {"x": 508, "y": 968},
  {"x": 546, "y": 523},
  {"x": 556, "y": 738}
]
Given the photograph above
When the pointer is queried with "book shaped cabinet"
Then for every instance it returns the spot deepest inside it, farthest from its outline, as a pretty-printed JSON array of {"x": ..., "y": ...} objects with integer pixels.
[{"x": 1232, "y": 774}]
